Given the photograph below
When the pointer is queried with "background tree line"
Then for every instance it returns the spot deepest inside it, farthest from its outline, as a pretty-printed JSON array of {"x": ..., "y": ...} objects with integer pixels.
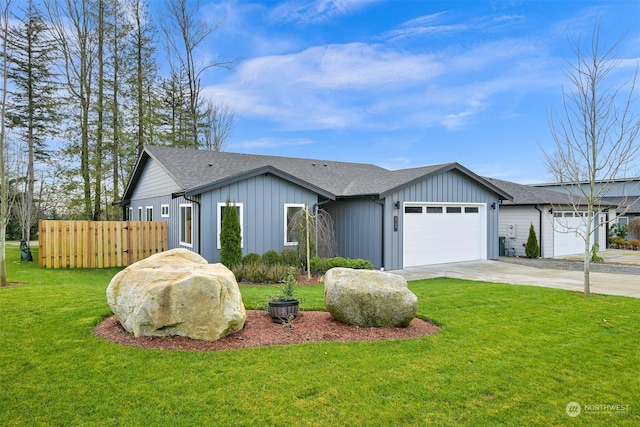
[{"x": 83, "y": 93}]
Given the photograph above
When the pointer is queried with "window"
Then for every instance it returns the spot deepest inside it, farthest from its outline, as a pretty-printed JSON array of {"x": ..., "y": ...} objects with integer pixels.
[
  {"x": 434, "y": 209},
  {"x": 238, "y": 207},
  {"x": 149, "y": 210},
  {"x": 140, "y": 214},
  {"x": 130, "y": 217},
  {"x": 164, "y": 211},
  {"x": 622, "y": 221},
  {"x": 290, "y": 209},
  {"x": 413, "y": 209},
  {"x": 471, "y": 209},
  {"x": 454, "y": 209},
  {"x": 186, "y": 225}
]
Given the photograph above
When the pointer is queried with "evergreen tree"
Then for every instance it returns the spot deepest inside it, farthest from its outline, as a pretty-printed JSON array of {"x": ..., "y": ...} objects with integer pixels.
[
  {"x": 33, "y": 113},
  {"x": 532, "y": 249},
  {"x": 230, "y": 237}
]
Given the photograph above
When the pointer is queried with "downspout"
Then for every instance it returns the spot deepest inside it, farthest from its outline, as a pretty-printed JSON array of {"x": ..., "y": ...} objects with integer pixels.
[
  {"x": 381, "y": 203},
  {"x": 199, "y": 220},
  {"x": 606, "y": 230},
  {"x": 540, "y": 228}
]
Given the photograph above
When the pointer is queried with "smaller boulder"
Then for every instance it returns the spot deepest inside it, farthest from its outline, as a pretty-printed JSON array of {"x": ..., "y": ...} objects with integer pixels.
[{"x": 369, "y": 298}]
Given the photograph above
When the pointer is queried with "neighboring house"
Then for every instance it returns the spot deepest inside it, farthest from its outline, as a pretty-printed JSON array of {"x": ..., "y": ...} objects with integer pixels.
[
  {"x": 624, "y": 193},
  {"x": 553, "y": 217},
  {"x": 395, "y": 219}
]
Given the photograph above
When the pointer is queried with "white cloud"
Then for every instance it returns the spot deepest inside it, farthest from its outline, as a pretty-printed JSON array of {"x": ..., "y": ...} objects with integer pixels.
[
  {"x": 317, "y": 11},
  {"x": 444, "y": 23},
  {"x": 377, "y": 86}
]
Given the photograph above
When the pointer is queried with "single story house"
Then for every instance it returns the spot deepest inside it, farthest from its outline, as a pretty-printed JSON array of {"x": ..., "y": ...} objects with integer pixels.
[
  {"x": 624, "y": 193},
  {"x": 396, "y": 219},
  {"x": 552, "y": 213}
]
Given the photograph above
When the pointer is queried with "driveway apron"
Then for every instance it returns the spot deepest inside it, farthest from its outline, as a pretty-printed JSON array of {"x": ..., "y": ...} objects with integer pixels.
[{"x": 503, "y": 272}]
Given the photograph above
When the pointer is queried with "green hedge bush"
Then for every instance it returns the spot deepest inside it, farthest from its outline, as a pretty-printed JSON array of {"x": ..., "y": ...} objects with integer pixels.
[
  {"x": 272, "y": 258},
  {"x": 322, "y": 265},
  {"x": 290, "y": 257},
  {"x": 259, "y": 272},
  {"x": 252, "y": 258}
]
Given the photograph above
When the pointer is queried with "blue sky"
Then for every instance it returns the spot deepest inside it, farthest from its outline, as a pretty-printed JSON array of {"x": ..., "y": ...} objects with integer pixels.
[{"x": 405, "y": 83}]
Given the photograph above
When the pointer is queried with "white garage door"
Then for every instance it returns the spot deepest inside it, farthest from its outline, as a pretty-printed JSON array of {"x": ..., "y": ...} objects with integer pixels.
[
  {"x": 441, "y": 233},
  {"x": 568, "y": 229}
]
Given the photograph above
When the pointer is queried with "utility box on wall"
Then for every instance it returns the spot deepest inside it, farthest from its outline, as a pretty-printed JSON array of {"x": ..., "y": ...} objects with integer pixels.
[{"x": 511, "y": 231}]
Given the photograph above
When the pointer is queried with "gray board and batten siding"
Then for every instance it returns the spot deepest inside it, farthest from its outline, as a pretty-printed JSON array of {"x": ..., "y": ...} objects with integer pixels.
[
  {"x": 358, "y": 224},
  {"x": 448, "y": 187},
  {"x": 263, "y": 200},
  {"x": 155, "y": 188}
]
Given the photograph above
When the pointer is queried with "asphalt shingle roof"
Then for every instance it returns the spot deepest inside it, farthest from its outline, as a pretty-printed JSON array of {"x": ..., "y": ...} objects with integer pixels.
[
  {"x": 528, "y": 195},
  {"x": 195, "y": 169}
]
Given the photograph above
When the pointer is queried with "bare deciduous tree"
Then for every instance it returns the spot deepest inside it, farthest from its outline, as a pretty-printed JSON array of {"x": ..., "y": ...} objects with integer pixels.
[
  {"x": 314, "y": 233},
  {"x": 5, "y": 9},
  {"x": 185, "y": 33},
  {"x": 595, "y": 136},
  {"x": 217, "y": 125}
]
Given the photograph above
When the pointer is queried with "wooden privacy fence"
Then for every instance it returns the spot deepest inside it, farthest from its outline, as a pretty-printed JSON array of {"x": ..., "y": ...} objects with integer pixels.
[{"x": 98, "y": 244}]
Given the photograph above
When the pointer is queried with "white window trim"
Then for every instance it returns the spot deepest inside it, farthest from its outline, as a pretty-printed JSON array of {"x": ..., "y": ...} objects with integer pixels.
[
  {"x": 130, "y": 218},
  {"x": 164, "y": 211},
  {"x": 185, "y": 205},
  {"x": 240, "y": 207},
  {"x": 286, "y": 207},
  {"x": 148, "y": 209},
  {"x": 139, "y": 213}
]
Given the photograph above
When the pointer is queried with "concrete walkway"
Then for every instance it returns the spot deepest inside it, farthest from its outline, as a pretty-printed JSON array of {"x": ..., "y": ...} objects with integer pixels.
[{"x": 502, "y": 272}]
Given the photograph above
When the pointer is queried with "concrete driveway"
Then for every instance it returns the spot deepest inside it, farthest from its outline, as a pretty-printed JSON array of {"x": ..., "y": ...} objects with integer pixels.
[{"x": 503, "y": 272}]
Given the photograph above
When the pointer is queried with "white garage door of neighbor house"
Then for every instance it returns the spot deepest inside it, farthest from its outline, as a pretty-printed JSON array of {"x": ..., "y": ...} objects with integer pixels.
[
  {"x": 441, "y": 233},
  {"x": 566, "y": 237}
]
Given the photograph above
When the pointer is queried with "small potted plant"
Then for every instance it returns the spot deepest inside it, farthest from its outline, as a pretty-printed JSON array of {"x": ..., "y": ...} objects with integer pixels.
[{"x": 284, "y": 306}]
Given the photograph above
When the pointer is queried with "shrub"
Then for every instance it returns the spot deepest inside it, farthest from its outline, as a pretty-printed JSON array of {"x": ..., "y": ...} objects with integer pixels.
[
  {"x": 272, "y": 258},
  {"x": 532, "y": 249},
  {"x": 260, "y": 272},
  {"x": 287, "y": 286},
  {"x": 618, "y": 242},
  {"x": 619, "y": 230},
  {"x": 594, "y": 253},
  {"x": 230, "y": 237},
  {"x": 634, "y": 244},
  {"x": 321, "y": 265},
  {"x": 252, "y": 258},
  {"x": 290, "y": 257}
]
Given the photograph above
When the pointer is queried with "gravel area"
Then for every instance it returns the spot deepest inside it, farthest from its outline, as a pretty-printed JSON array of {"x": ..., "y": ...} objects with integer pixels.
[{"x": 560, "y": 264}]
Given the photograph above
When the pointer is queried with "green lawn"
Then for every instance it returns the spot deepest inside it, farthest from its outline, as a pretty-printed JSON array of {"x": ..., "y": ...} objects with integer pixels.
[{"x": 507, "y": 355}]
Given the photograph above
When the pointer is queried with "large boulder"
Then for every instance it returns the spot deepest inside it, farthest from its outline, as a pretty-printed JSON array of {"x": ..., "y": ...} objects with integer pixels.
[
  {"x": 177, "y": 292},
  {"x": 368, "y": 298}
]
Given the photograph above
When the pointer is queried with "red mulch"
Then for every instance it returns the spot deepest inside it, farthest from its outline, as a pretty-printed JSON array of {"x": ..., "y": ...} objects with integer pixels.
[{"x": 259, "y": 330}]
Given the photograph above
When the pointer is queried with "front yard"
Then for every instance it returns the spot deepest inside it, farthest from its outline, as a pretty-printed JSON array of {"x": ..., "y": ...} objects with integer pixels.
[{"x": 506, "y": 355}]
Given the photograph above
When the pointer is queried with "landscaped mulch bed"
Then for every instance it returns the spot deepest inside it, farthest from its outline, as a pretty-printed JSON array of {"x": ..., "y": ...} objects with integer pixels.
[{"x": 259, "y": 330}]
